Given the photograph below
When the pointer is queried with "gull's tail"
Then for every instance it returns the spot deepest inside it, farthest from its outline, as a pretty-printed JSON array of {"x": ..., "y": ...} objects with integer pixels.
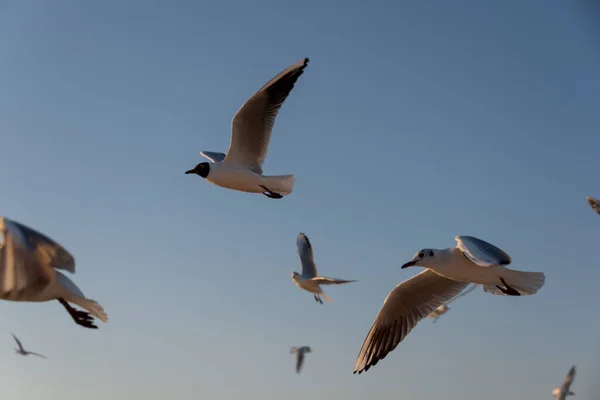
[
  {"x": 327, "y": 298},
  {"x": 282, "y": 184},
  {"x": 526, "y": 283}
]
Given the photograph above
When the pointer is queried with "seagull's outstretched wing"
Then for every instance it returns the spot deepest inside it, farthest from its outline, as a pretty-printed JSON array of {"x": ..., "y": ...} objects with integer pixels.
[
  {"x": 305, "y": 253},
  {"x": 27, "y": 258},
  {"x": 252, "y": 125},
  {"x": 322, "y": 280},
  {"x": 566, "y": 386},
  {"x": 213, "y": 156},
  {"x": 481, "y": 252},
  {"x": 409, "y": 302},
  {"x": 299, "y": 361},
  {"x": 594, "y": 203},
  {"x": 18, "y": 342},
  {"x": 467, "y": 291},
  {"x": 36, "y": 354}
]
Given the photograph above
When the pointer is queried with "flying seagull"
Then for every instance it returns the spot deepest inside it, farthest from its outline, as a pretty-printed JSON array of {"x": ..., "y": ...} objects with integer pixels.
[
  {"x": 24, "y": 352},
  {"x": 309, "y": 280},
  {"x": 448, "y": 273},
  {"x": 594, "y": 203},
  {"x": 29, "y": 263},
  {"x": 300, "y": 356},
  {"x": 564, "y": 390},
  {"x": 443, "y": 309},
  {"x": 241, "y": 168}
]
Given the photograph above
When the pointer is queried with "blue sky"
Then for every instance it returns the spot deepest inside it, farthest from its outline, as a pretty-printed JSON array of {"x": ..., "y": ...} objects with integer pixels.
[{"x": 414, "y": 122}]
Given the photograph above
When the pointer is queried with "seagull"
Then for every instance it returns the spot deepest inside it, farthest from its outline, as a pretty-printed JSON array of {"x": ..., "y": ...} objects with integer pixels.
[
  {"x": 594, "y": 203},
  {"x": 564, "y": 390},
  {"x": 29, "y": 263},
  {"x": 300, "y": 356},
  {"x": 24, "y": 352},
  {"x": 443, "y": 309},
  {"x": 448, "y": 273},
  {"x": 241, "y": 168},
  {"x": 309, "y": 280}
]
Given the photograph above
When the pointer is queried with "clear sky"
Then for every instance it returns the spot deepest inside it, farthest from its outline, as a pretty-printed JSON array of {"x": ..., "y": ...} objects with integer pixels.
[{"x": 414, "y": 122}]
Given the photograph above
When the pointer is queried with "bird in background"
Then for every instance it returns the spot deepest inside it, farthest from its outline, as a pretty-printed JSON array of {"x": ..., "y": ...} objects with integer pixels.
[
  {"x": 300, "y": 351},
  {"x": 564, "y": 390},
  {"x": 24, "y": 352},
  {"x": 594, "y": 203},
  {"x": 29, "y": 263},
  {"x": 241, "y": 168},
  {"x": 309, "y": 280},
  {"x": 448, "y": 273},
  {"x": 443, "y": 309}
]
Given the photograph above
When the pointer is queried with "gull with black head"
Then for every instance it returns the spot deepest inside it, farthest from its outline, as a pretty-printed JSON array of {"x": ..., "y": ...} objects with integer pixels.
[
  {"x": 241, "y": 168},
  {"x": 564, "y": 390},
  {"x": 300, "y": 351},
  {"x": 24, "y": 352},
  {"x": 449, "y": 272}
]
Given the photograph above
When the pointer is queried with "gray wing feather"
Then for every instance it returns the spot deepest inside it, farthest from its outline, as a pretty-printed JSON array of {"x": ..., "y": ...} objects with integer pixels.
[
  {"x": 213, "y": 156},
  {"x": 481, "y": 252},
  {"x": 322, "y": 280},
  {"x": 27, "y": 258},
  {"x": 566, "y": 386},
  {"x": 594, "y": 203},
  {"x": 467, "y": 291},
  {"x": 408, "y": 303},
  {"x": 305, "y": 253},
  {"x": 37, "y": 354},
  {"x": 18, "y": 342},
  {"x": 252, "y": 125},
  {"x": 299, "y": 361}
]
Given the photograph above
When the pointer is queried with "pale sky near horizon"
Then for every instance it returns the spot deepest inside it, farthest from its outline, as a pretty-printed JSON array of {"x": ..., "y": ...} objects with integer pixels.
[{"x": 414, "y": 122}]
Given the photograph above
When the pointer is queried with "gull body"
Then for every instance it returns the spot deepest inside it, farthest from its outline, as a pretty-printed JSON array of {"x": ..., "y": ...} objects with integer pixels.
[
  {"x": 20, "y": 350},
  {"x": 241, "y": 168},
  {"x": 300, "y": 351},
  {"x": 309, "y": 280},
  {"x": 448, "y": 273},
  {"x": 28, "y": 272},
  {"x": 594, "y": 203},
  {"x": 564, "y": 390}
]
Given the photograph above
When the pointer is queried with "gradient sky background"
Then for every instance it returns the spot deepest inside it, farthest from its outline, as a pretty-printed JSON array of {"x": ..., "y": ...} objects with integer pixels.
[{"x": 414, "y": 122}]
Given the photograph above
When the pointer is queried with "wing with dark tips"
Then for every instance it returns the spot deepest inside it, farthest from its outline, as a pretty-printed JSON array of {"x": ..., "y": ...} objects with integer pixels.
[{"x": 481, "y": 252}]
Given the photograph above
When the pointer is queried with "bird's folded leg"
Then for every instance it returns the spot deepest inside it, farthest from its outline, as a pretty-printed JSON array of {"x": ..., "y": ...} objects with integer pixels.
[
  {"x": 80, "y": 317},
  {"x": 270, "y": 194},
  {"x": 509, "y": 291}
]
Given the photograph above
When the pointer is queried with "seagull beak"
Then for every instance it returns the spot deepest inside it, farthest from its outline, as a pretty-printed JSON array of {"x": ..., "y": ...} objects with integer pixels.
[
  {"x": 408, "y": 264},
  {"x": 191, "y": 171}
]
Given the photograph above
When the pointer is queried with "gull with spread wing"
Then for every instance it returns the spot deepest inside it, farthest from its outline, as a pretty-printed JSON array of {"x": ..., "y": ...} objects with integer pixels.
[
  {"x": 241, "y": 168},
  {"x": 564, "y": 390},
  {"x": 594, "y": 203},
  {"x": 300, "y": 356},
  {"x": 24, "y": 352},
  {"x": 309, "y": 280},
  {"x": 29, "y": 263},
  {"x": 443, "y": 309},
  {"x": 449, "y": 271}
]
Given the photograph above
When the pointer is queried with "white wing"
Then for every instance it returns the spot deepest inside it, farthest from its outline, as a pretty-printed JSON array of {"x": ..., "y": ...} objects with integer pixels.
[
  {"x": 467, "y": 291},
  {"x": 213, "y": 156},
  {"x": 305, "y": 253},
  {"x": 481, "y": 252},
  {"x": 252, "y": 125},
  {"x": 322, "y": 280},
  {"x": 594, "y": 203},
  {"x": 409, "y": 302},
  {"x": 27, "y": 258}
]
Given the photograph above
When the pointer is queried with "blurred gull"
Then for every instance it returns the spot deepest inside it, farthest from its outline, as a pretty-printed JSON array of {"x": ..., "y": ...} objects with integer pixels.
[
  {"x": 300, "y": 356},
  {"x": 28, "y": 272},
  {"x": 448, "y": 273},
  {"x": 22, "y": 351},
  {"x": 594, "y": 203},
  {"x": 241, "y": 168},
  {"x": 443, "y": 309},
  {"x": 309, "y": 280},
  {"x": 564, "y": 390}
]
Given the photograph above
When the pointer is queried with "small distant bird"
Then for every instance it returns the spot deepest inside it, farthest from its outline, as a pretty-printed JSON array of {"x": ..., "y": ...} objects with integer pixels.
[
  {"x": 309, "y": 280},
  {"x": 241, "y": 168},
  {"x": 24, "y": 352},
  {"x": 28, "y": 272},
  {"x": 443, "y": 309},
  {"x": 448, "y": 273},
  {"x": 564, "y": 390},
  {"x": 594, "y": 203},
  {"x": 300, "y": 356}
]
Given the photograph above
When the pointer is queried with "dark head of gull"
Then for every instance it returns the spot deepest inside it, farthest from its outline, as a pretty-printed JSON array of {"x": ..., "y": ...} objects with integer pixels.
[
  {"x": 420, "y": 256},
  {"x": 202, "y": 169}
]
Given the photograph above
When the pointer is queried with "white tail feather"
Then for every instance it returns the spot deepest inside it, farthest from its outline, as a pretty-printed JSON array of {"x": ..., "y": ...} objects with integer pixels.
[
  {"x": 327, "y": 298},
  {"x": 283, "y": 184},
  {"x": 526, "y": 283}
]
